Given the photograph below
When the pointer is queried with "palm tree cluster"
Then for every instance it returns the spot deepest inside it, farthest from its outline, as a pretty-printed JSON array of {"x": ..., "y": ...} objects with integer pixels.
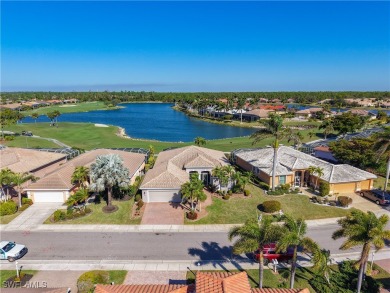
[
  {"x": 316, "y": 171},
  {"x": 358, "y": 228},
  {"x": 193, "y": 191},
  {"x": 14, "y": 179}
]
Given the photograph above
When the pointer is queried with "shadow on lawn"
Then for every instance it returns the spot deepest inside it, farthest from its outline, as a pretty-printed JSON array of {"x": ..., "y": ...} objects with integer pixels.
[{"x": 212, "y": 253}]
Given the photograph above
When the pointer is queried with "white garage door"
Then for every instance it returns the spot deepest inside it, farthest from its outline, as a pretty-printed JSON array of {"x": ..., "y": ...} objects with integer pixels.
[
  {"x": 50, "y": 196},
  {"x": 164, "y": 196}
]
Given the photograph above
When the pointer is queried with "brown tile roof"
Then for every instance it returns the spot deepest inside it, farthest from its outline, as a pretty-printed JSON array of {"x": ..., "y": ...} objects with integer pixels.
[
  {"x": 26, "y": 160},
  {"x": 222, "y": 282},
  {"x": 169, "y": 169},
  {"x": 262, "y": 113},
  {"x": 144, "y": 289},
  {"x": 279, "y": 290},
  {"x": 309, "y": 111},
  {"x": 61, "y": 178}
]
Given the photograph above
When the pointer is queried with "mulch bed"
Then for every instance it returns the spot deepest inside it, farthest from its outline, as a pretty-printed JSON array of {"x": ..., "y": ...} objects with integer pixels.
[
  {"x": 137, "y": 213},
  {"x": 109, "y": 210},
  {"x": 11, "y": 283}
]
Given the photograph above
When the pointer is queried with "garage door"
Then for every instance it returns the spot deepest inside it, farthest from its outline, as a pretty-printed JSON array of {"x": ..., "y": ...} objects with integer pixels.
[
  {"x": 365, "y": 185},
  {"x": 164, "y": 196},
  {"x": 49, "y": 196},
  {"x": 344, "y": 187}
]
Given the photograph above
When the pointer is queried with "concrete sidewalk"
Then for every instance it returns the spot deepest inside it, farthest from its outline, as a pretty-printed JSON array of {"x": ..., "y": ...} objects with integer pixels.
[{"x": 136, "y": 228}]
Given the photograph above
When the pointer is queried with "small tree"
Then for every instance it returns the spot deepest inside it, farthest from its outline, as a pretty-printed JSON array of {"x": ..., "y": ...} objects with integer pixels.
[
  {"x": 106, "y": 172},
  {"x": 200, "y": 141},
  {"x": 316, "y": 171},
  {"x": 17, "y": 179},
  {"x": 192, "y": 190},
  {"x": 35, "y": 116},
  {"x": 80, "y": 176},
  {"x": 324, "y": 188}
]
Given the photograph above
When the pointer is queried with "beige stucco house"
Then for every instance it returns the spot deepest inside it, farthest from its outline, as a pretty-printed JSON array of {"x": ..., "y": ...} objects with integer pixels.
[
  {"x": 57, "y": 186},
  {"x": 173, "y": 168},
  {"x": 292, "y": 168}
]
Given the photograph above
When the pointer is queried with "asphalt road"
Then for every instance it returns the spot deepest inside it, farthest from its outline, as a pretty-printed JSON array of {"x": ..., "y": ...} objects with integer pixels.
[{"x": 142, "y": 246}]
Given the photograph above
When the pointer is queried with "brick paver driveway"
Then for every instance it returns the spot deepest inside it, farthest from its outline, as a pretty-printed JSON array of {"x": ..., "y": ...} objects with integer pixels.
[{"x": 161, "y": 213}]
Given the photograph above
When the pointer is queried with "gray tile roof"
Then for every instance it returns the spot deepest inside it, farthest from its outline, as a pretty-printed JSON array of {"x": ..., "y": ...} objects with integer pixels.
[
  {"x": 290, "y": 159},
  {"x": 169, "y": 169}
]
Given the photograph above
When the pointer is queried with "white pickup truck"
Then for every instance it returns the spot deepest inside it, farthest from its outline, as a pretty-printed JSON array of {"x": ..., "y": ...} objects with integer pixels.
[{"x": 12, "y": 251}]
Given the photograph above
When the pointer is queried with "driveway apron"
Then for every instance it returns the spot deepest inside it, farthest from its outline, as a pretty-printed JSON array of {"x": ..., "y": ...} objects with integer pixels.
[
  {"x": 34, "y": 216},
  {"x": 162, "y": 213}
]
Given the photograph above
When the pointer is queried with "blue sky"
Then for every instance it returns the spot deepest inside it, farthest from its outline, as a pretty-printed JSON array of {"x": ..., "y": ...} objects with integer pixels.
[{"x": 195, "y": 46}]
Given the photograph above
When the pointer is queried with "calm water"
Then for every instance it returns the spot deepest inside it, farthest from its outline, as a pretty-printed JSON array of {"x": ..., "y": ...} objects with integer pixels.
[{"x": 154, "y": 121}]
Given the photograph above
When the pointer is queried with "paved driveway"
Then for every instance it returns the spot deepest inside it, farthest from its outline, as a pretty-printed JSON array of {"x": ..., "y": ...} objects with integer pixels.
[
  {"x": 158, "y": 213},
  {"x": 364, "y": 204},
  {"x": 33, "y": 216},
  {"x": 57, "y": 279}
]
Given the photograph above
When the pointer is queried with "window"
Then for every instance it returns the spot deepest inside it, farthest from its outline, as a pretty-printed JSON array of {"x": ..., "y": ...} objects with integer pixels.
[{"x": 282, "y": 179}]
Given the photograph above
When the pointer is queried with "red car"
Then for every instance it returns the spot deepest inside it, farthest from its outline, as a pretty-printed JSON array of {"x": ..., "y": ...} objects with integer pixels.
[{"x": 269, "y": 253}]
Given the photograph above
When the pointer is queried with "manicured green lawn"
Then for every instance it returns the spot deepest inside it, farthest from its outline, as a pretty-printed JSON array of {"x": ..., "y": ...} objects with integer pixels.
[
  {"x": 9, "y": 218},
  {"x": 30, "y": 142},
  {"x": 238, "y": 210},
  {"x": 6, "y": 274},
  {"x": 87, "y": 136},
  {"x": 69, "y": 108},
  {"x": 117, "y": 276},
  {"x": 97, "y": 216}
]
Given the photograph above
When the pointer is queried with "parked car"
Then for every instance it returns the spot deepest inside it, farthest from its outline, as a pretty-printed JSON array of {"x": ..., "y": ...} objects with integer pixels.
[
  {"x": 11, "y": 251},
  {"x": 378, "y": 196},
  {"x": 269, "y": 253},
  {"x": 27, "y": 133}
]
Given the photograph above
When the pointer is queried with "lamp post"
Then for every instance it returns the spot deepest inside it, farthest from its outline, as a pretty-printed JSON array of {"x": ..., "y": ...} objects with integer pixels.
[{"x": 17, "y": 269}]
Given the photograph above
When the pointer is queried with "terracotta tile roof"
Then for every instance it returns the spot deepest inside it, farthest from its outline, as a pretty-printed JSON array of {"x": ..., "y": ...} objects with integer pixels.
[
  {"x": 262, "y": 113},
  {"x": 144, "y": 289},
  {"x": 222, "y": 282},
  {"x": 169, "y": 169},
  {"x": 61, "y": 178},
  {"x": 322, "y": 148},
  {"x": 279, "y": 290},
  {"x": 309, "y": 111},
  {"x": 25, "y": 160}
]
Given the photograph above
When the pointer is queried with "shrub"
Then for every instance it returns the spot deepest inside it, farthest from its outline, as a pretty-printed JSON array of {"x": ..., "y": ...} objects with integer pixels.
[
  {"x": 9, "y": 138},
  {"x": 332, "y": 203},
  {"x": 344, "y": 201},
  {"x": 8, "y": 208},
  {"x": 324, "y": 188},
  {"x": 88, "y": 280},
  {"x": 262, "y": 184},
  {"x": 226, "y": 196},
  {"x": 59, "y": 216},
  {"x": 87, "y": 210},
  {"x": 271, "y": 206},
  {"x": 230, "y": 192},
  {"x": 247, "y": 192},
  {"x": 140, "y": 203},
  {"x": 285, "y": 186},
  {"x": 27, "y": 201},
  {"x": 137, "y": 197},
  {"x": 276, "y": 192},
  {"x": 314, "y": 199}
]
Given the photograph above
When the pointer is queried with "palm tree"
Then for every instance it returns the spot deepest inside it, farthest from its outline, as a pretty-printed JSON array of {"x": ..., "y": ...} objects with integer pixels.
[
  {"x": 242, "y": 179},
  {"x": 17, "y": 179},
  {"x": 5, "y": 180},
  {"x": 35, "y": 116},
  {"x": 382, "y": 147},
  {"x": 327, "y": 126},
  {"x": 200, "y": 141},
  {"x": 80, "y": 176},
  {"x": 252, "y": 236},
  {"x": 363, "y": 229},
  {"x": 273, "y": 127},
  {"x": 318, "y": 172},
  {"x": 107, "y": 171},
  {"x": 321, "y": 260},
  {"x": 193, "y": 189},
  {"x": 240, "y": 106},
  {"x": 294, "y": 236}
]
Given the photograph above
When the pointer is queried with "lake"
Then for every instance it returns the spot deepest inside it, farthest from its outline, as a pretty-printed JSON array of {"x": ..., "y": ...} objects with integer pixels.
[{"x": 156, "y": 121}]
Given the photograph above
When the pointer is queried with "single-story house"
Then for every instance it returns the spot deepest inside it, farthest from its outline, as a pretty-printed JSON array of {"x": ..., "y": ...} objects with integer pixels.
[
  {"x": 292, "y": 168},
  {"x": 14, "y": 106},
  {"x": 57, "y": 186},
  {"x": 310, "y": 112},
  {"x": 256, "y": 114},
  {"x": 205, "y": 282},
  {"x": 363, "y": 113},
  {"x": 173, "y": 168},
  {"x": 38, "y": 163}
]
